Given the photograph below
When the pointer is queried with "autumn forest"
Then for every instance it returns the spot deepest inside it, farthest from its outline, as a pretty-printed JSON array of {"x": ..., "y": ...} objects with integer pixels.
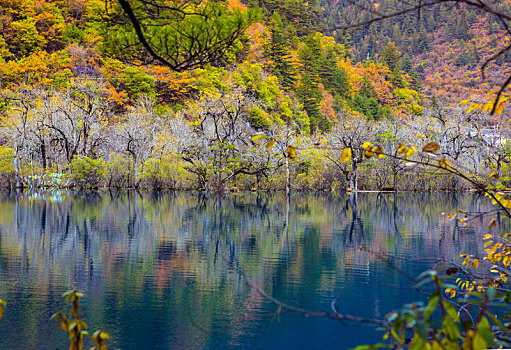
[{"x": 247, "y": 95}]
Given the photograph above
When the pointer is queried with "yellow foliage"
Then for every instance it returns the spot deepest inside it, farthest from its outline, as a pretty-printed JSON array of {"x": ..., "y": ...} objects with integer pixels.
[
  {"x": 345, "y": 155},
  {"x": 409, "y": 151}
]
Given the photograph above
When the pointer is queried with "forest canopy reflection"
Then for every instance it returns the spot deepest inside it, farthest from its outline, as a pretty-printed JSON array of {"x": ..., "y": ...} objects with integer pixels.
[{"x": 165, "y": 257}]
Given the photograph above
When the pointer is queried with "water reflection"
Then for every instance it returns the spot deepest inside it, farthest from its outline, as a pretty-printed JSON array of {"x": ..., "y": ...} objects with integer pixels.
[{"x": 155, "y": 266}]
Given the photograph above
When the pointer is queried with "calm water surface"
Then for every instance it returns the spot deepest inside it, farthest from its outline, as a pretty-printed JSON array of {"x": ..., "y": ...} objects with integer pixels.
[{"x": 156, "y": 268}]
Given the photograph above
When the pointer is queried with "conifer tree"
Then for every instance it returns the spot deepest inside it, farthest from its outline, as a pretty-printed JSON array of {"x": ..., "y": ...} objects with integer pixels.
[
  {"x": 391, "y": 58},
  {"x": 310, "y": 96},
  {"x": 278, "y": 52}
]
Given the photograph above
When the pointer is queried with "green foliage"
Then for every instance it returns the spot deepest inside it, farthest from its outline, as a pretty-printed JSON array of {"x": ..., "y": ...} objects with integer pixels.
[
  {"x": 6, "y": 166},
  {"x": 5, "y": 54},
  {"x": 165, "y": 173},
  {"x": 391, "y": 57},
  {"x": 438, "y": 325},
  {"x": 278, "y": 52},
  {"x": 27, "y": 38},
  {"x": 117, "y": 171},
  {"x": 87, "y": 172},
  {"x": 259, "y": 119},
  {"x": 465, "y": 58},
  {"x": 410, "y": 98},
  {"x": 198, "y": 34},
  {"x": 368, "y": 106},
  {"x": 310, "y": 96},
  {"x": 302, "y": 16},
  {"x": 73, "y": 34},
  {"x": 134, "y": 82}
]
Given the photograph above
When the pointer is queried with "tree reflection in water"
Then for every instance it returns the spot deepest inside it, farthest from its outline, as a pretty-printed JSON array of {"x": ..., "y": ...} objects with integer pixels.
[{"x": 155, "y": 267}]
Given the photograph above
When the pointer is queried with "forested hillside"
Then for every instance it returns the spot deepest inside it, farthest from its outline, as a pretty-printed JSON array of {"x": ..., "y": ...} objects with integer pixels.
[
  {"x": 222, "y": 94},
  {"x": 283, "y": 61},
  {"x": 444, "y": 46}
]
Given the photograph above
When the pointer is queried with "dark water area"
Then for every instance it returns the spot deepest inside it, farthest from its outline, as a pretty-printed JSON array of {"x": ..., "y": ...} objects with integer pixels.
[{"x": 156, "y": 268}]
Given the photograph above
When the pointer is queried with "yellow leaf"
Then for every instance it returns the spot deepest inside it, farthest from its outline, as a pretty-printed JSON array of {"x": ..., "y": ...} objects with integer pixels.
[
  {"x": 431, "y": 147},
  {"x": 499, "y": 109},
  {"x": 401, "y": 148},
  {"x": 492, "y": 225},
  {"x": 366, "y": 144},
  {"x": 345, "y": 155},
  {"x": 494, "y": 174},
  {"x": 451, "y": 216},
  {"x": 451, "y": 293},
  {"x": 409, "y": 151},
  {"x": 464, "y": 102},
  {"x": 369, "y": 152},
  {"x": 488, "y": 236},
  {"x": 506, "y": 261},
  {"x": 379, "y": 152},
  {"x": 319, "y": 143},
  {"x": 257, "y": 137},
  {"x": 421, "y": 136},
  {"x": 466, "y": 261},
  {"x": 475, "y": 263},
  {"x": 291, "y": 152},
  {"x": 443, "y": 163},
  {"x": 486, "y": 244},
  {"x": 270, "y": 144}
]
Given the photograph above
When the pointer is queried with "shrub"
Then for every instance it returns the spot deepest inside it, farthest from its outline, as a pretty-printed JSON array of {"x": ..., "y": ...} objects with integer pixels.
[
  {"x": 87, "y": 172},
  {"x": 165, "y": 173},
  {"x": 118, "y": 170},
  {"x": 7, "y": 176}
]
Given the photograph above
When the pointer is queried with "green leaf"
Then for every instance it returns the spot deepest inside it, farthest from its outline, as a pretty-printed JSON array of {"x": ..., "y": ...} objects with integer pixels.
[
  {"x": 450, "y": 328},
  {"x": 371, "y": 347},
  {"x": 485, "y": 330},
  {"x": 452, "y": 312},
  {"x": 430, "y": 308},
  {"x": 478, "y": 342},
  {"x": 496, "y": 321},
  {"x": 418, "y": 343},
  {"x": 422, "y": 328}
]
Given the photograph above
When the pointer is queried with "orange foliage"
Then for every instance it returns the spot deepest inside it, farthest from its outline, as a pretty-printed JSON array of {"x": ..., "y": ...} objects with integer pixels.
[
  {"x": 255, "y": 35},
  {"x": 171, "y": 87},
  {"x": 327, "y": 108}
]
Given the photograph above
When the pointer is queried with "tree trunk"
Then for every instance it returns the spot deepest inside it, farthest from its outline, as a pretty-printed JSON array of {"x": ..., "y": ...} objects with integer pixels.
[
  {"x": 353, "y": 176},
  {"x": 135, "y": 170},
  {"x": 43, "y": 154},
  {"x": 287, "y": 176}
]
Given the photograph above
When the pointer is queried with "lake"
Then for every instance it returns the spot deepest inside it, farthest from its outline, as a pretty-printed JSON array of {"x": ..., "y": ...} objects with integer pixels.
[{"x": 157, "y": 268}]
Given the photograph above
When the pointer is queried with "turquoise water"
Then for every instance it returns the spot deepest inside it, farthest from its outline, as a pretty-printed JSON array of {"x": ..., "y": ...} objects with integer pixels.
[{"x": 157, "y": 268}]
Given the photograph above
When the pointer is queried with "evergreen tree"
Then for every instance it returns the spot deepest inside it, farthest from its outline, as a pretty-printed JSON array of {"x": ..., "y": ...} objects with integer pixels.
[
  {"x": 406, "y": 63},
  {"x": 310, "y": 96},
  {"x": 391, "y": 59},
  {"x": 278, "y": 53},
  {"x": 416, "y": 84}
]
